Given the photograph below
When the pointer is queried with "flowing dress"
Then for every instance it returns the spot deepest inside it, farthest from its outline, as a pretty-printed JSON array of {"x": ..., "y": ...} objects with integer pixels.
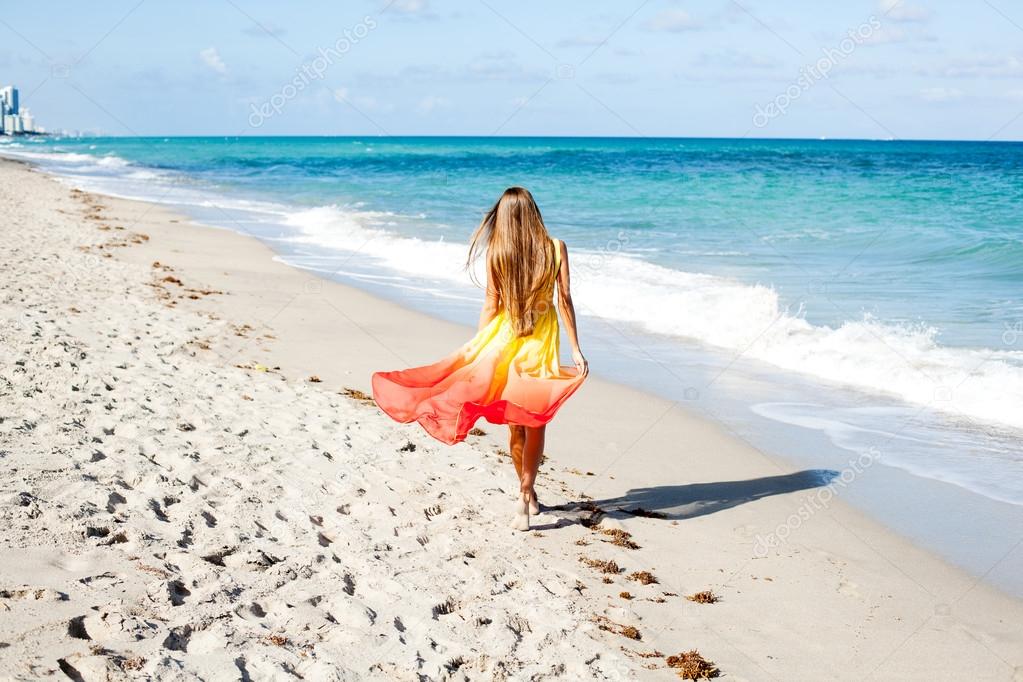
[{"x": 497, "y": 376}]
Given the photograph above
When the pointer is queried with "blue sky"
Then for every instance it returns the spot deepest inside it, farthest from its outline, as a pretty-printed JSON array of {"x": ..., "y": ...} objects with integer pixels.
[{"x": 861, "y": 68}]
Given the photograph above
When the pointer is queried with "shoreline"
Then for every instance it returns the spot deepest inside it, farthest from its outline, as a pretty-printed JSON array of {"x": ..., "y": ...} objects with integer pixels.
[{"x": 837, "y": 571}]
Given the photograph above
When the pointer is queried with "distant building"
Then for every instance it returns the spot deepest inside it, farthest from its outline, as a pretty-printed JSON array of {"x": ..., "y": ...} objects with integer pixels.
[
  {"x": 9, "y": 95},
  {"x": 14, "y": 121}
]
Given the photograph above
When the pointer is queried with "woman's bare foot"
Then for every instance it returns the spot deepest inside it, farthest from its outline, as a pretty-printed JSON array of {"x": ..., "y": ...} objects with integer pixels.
[
  {"x": 534, "y": 504},
  {"x": 522, "y": 509}
]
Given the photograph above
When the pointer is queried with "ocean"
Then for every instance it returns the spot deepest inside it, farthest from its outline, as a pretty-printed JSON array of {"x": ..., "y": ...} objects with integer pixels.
[{"x": 820, "y": 299}]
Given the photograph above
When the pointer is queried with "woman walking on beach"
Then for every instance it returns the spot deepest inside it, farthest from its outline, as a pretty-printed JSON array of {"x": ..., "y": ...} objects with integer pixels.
[{"x": 510, "y": 372}]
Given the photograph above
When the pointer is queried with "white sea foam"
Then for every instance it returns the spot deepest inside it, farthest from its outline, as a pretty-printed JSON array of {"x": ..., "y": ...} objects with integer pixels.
[
  {"x": 350, "y": 230},
  {"x": 748, "y": 320}
]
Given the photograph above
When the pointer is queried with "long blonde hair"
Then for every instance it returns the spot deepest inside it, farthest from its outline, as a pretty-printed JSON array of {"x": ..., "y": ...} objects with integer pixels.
[{"x": 521, "y": 263}]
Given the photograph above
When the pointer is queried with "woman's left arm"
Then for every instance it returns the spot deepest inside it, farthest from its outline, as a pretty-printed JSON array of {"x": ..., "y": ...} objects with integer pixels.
[{"x": 567, "y": 309}]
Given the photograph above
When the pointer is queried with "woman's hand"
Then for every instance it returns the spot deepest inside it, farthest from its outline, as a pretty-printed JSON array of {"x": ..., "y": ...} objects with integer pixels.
[{"x": 580, "y": 361}]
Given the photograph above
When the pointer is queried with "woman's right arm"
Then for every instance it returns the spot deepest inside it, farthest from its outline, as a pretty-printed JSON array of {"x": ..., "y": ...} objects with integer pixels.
[
  {"x": 567, "y": 310},
  {"x": 490, "y": 306}
]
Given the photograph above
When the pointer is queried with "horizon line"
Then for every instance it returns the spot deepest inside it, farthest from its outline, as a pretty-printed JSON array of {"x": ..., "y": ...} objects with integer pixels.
[{"x": 541, "y": 137}]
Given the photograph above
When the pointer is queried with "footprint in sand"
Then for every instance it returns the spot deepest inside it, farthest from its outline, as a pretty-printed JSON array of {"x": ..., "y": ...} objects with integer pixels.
[
  {"x": 33, "y": 594},
  {"x": 849, "y": 589},
  {"x": 113, "y": 500},
  {"x": 445, "y": 608},
  {"x": 251, "y": 612},
  {"x": 116, "y": 626},
  {"x": 177, "y": 592},
  {"x": 177, "y": 638},
  {"x": 101, "y": 581},
  {"x": 217, "y": 558},
  {"x": 76, "y": 628}
]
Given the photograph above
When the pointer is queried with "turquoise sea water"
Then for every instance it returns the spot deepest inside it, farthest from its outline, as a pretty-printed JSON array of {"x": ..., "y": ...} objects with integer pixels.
[{"x": 870, "y": 293}]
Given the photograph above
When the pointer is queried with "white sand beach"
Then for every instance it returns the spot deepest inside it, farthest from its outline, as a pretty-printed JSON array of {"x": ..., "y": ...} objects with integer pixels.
[{"x": 193, "y": 487}]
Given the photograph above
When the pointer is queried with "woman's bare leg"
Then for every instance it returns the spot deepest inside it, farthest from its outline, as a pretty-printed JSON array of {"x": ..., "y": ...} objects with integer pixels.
[
  {"x": 532, "y": 453},
  {"x": 526, "y": 448},
  {"x": 516, "y": 441}
]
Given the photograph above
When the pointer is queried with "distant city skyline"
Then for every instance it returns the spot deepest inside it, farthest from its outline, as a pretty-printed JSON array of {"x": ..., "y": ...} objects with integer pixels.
[{"x": 872, "y": 69}]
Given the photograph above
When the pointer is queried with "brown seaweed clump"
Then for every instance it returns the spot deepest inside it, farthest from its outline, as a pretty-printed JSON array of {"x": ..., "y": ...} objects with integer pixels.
[
  {"x": 704, "y": 597},
  {"x": 692, "y": 666},
  {"x": 356, "y": 394},
  {"x": 477, "y": 431},
  {"x": 643, "y": 577},
  {"x": 134, "y": 663},
  {"x": 604, "y": 566},
  {"x": 619, "y": 537},
  {"x": 628, "y": 631}
]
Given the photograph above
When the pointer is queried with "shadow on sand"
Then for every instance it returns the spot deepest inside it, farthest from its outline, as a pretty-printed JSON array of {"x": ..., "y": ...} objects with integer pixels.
[{"x": 691, "y": 500}]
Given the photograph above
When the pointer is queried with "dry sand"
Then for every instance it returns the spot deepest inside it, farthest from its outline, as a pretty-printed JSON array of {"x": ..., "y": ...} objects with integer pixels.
[{"x": 175, "y": 506}]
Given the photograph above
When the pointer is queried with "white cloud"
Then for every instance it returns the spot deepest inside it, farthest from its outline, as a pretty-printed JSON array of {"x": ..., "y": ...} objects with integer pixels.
[
  {"x": 887, "y": 35},
  {"x": 492, "y": 67},
  {"x": 409, "y": 6},
  {"x": 211, "y": 58},
  {"x": 411, "y": 9},
  {"x": 891, "y": 35},
  {"x": 617, "y": 78},
  {"x": 903, "y": 11},
  {"x": 362, "y": 103},
  {"x": 264, "y": 31},
  {"x": 941, "y": 94},
  {"x": 735, "y": 59},
  {"x": 673, "y": 21},
  {"x": 431, "y": 103},
  {"x": 581, "y": 41},
  {"x": 979, "y": 66}
]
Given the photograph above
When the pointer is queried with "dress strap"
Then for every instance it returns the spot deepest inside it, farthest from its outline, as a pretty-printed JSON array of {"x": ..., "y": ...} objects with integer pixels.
[{"x": 557, "y": 254}]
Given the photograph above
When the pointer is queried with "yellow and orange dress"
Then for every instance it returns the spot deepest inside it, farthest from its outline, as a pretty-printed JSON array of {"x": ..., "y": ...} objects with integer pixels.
[{"x": 501, "y": 377}]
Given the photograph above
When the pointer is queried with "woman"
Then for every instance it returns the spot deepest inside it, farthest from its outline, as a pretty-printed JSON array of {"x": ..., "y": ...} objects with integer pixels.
[{"x": 510, "y": 372}]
